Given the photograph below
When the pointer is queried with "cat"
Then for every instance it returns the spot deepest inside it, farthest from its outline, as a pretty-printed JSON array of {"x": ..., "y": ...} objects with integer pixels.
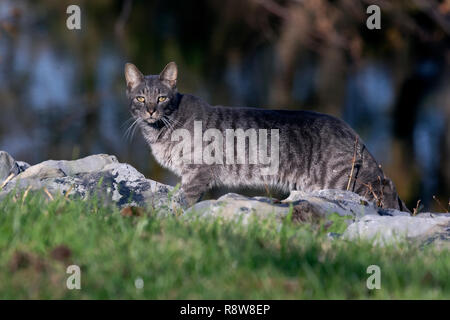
[{"x": 314, "y": 151}]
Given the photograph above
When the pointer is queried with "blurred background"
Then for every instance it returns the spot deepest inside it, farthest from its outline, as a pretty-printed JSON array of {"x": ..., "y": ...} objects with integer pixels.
[{"x": 62, "y": 92}]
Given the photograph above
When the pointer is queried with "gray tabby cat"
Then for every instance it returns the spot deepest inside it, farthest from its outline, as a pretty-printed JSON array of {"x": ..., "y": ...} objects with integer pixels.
[{"x": 316, "y": 151}]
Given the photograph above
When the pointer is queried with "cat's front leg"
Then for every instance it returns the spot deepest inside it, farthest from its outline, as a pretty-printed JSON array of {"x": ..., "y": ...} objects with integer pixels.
[{"x": 193, "y": 185}]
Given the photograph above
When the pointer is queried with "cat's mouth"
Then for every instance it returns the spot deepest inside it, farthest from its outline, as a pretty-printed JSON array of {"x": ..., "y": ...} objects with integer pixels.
[
  {"x": 154, "y": 122},
  {"x": 151, "y": 120}
]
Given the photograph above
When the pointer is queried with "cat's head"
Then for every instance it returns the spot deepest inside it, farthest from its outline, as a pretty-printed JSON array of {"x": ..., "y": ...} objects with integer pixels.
[{"x": 151, "y": 97}]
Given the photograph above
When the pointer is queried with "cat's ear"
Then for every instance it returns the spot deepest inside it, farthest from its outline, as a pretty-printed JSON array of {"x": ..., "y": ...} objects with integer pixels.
[
  {"x": 133, "y": 76},
  {"x": 170, "y": 74}
]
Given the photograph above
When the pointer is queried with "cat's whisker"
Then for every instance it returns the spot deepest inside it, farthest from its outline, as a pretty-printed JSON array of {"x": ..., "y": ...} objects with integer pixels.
[
  {"x": 167, "y": 122},
  {"x": 176, "y": 121},
  {"x": 131, "y": 133},
  {"x": 126, "y": 122},
  {"x": 135, "y": 128},
  {"x": 171, "y": 126},
  {"x": 167, "y": 125},
  {"x": 159, "y": 135},
  {"x": 125, "y": 135},
  {"x": 130, "y": 128},
  {"x": 172, "y": 123}
]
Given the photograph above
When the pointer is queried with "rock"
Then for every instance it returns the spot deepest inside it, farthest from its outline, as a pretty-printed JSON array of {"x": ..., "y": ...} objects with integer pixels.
[
  {"x": 425, "y": 229},
  {"x": 22, "y": 165},
  {"x": 100, "y": 175},
  {"x": 236, "y": 207},
  {"x": 328, "y": 201},
  {"x": 103, "y": 175},
  {"x": 364, "y": 219},
  {"x": 8, "y": 166},
  {"x": 307, "y": 207},
  {"x": 63, "y": 168}
]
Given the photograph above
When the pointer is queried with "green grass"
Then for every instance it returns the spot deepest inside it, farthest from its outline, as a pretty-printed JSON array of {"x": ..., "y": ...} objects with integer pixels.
[{"x": 197, "y": 259}]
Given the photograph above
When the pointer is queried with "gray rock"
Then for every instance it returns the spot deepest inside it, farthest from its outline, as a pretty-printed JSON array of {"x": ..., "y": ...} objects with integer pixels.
[
  {"x": 307, "y": 207},
  {"x": 104, "y": 176},
  {"x": 432, "y": 215},
  {"x": 63, "y": 168},
  {"x": 7, "y": 166},
  {"x": 365, "y": 220},
  {"x": 22, "y": 165},
  {"x": 387, "y": 230},
  {"x": 236, "y": 207},
  {"x": 328, "y": 201},
  {"x": 329, "y": 194},
  {"x": 100, "y": 175}
]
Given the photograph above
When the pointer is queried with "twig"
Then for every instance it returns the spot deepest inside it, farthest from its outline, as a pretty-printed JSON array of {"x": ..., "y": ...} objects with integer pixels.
[
  {"x": 48, "y": 194},
  {"x": 369, "y": 186},
  {"x": 7, "y": 180},
  {"x": 274, "y": 8},
  {"x": 353, "y": 165},
  {"x": 66, "y": 196},
  {"x": 416, "y": 210},
  {"x": 429, "y": 8},
  {"x": 26, "y": 194},
  {"x": 439, "y": 204},
  {"x": 381, "y": 190}
]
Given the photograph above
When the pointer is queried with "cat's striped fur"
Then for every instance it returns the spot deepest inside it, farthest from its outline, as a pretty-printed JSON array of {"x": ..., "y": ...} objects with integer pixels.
[{"x": 317, "y": 151}]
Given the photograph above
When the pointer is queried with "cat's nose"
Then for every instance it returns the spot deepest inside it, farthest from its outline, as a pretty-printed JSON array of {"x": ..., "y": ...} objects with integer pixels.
[{"x": 151, "y": 111}]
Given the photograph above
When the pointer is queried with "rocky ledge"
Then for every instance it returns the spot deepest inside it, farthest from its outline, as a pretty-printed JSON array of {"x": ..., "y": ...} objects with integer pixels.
[{"x": 119, "y": 183}]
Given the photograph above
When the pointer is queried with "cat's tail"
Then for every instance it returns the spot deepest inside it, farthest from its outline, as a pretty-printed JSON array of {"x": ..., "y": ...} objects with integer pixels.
[{"x": 389, "y": 197}]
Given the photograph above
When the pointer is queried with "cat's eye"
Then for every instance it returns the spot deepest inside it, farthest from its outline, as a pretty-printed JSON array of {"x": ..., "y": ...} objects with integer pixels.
[
  {"x": 140, "y": 99},
  {"x": 162, "y": 99}
]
